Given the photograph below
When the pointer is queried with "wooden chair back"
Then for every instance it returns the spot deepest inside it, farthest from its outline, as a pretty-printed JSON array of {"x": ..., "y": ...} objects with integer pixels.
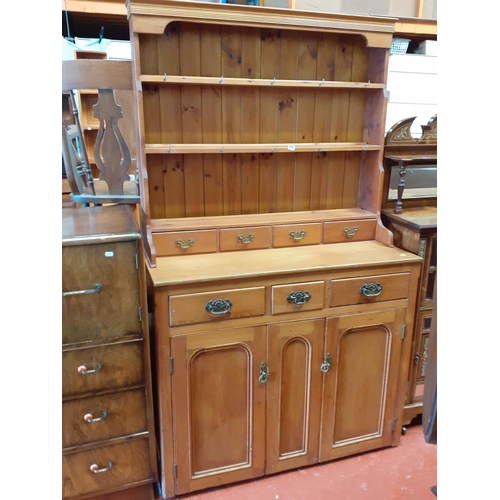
[{"x": 111, "y": 152}]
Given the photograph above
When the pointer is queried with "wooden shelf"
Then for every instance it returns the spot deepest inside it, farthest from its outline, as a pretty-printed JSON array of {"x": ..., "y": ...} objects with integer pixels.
[
  {"x": 257, "y": 82},
  {"x": 259, "y": 148}
]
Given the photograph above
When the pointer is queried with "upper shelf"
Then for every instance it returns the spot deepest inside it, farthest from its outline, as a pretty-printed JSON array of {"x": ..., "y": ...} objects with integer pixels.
[{"x": 257, "y": 82}]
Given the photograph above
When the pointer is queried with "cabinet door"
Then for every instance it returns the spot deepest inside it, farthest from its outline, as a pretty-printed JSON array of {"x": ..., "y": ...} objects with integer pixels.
[
  {"x": 360, "y": 388},
  {"x": 294, "y": 394},
  {"x": 218, "y": 407}
]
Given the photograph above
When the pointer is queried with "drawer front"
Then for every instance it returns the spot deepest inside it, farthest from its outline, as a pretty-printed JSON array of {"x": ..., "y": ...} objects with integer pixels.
[
  {"x": 246, "y": 238},
  {"x": 119, "y": 465},
  {"x": 298, "y": 297},
  {"x": 185, "y": 242},
  {"x": 102, "y": 368},
  {"x": 353, "y": 230},
  {"x": 297, "y": 234},
  {"x": 217, "y": 306},
  {"x": 98, "y": 418},
  {"x": 101, "y": 296},
  {"x": 368, "y": 289}
]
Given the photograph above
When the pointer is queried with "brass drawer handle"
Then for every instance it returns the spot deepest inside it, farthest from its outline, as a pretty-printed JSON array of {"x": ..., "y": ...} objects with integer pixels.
[
  {"x": 219, "y": 306},
  {"x": 325, "y": 366},
  {"x": 371, "y": 289},
  {"x": 96, "y": 470},
  {"x": 184, "y": 244},
  {"x": 83, "y": 370},
  {"x": 97, "y": 288},
  {"x": 297, "y": 236},
  {"x": 298, "y": 298},
  {"x": 350, "y": 232},
  {"x": 246, "y": 240},
  {"x": 264, "y": 373},
  {"x": 89, "y": 418}
]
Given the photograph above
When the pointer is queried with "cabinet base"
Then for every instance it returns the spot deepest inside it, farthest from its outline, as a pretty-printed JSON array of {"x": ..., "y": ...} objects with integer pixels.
[
  {"x": 411, "y": 411},
  {"x": 144, "y": 492}
]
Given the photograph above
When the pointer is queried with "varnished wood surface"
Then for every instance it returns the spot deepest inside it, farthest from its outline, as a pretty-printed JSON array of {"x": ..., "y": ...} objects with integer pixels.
[
  {"x": 81, "y": 226},
  {"x": 276, "y": 261},
  {"x": 417, "y": 218},
  {"x": 184, "y": 223},
  {"x": 96, "y": 74}
]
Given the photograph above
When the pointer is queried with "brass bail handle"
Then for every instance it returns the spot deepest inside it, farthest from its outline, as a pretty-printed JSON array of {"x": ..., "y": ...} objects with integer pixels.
[
  {"x": 350, "y": 232},
  {"x": 325, "y": 366},
  {"x": 371, "y": 289},
  {"x": 245, "y": 239},
  {"x": 297, "y": 236},
  {"x": 184, "y": 244}
]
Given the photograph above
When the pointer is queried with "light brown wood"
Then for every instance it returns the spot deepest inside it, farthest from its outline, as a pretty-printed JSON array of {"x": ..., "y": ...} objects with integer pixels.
[
  {"x": 221, "y": 371},
  {"x": 189, "y": 309},
  {"x": 349, "y": 291},
  {"x": 250, "y": 238},
  {"x": 360, "y": 387},
  {"x": 281, "y": 304},
  {"x": 185, "y": 242},
  {"x": 353, "y": 230},
  {"x": 291, "y": 235},
  {"x": 293, "y": 394},
  {"x": 144, "y": 492}
]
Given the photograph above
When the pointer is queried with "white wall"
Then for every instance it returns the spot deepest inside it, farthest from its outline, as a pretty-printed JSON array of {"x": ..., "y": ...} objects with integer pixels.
[{"x": 412, "y": 84}]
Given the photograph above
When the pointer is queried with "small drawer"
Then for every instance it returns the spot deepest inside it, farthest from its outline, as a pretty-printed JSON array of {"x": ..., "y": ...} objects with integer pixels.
[
  {"x": 216, "y": 306},
  {"x": 352, "y": 291},
  {"x": 246, "y": 238},
  {"x": 98, "y": 418},
  {"x": 352, "y": 230},
  {"x": 105, "y": 468},
  {"x": 298, "y": 297},
  {"x": 100, "y": 291},
  {"x": 297, "y": 234},
  {"x": 185, "y": 242},
  {"x": 102, "y": 368}
]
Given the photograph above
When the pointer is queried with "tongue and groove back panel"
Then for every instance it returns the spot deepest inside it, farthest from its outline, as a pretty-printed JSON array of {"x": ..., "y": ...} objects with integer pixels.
[{"x": 248, "y": 182}]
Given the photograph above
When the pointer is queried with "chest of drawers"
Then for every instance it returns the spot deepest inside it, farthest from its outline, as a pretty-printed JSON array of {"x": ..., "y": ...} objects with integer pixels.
[{"x": 107, "y": 411}]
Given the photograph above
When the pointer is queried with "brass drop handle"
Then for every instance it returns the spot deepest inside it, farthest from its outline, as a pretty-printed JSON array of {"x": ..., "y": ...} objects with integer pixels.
[
  {"x": 416, "y": 358},
  {"x": 350, "y": 232},
  {"x": 89, "y": 418},
  {"x": 325, "y": 366},
  {"x": 97, "y": 288},
  {"x": 297, "y": 236},
  {"x": 219, "y": 306},
  {"x": 83, "y": 370},
  {"x": 371, "y": 289},
  {"x": 298, "y": 298},
  {"x": 264, "y": 373},
  {"x": 184, "y": 244},
  {"x": 97, "y": 470},
  {"x": 246, "y": 240}
]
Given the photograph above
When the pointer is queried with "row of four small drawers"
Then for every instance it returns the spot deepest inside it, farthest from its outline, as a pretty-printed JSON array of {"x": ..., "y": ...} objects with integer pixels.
[{"x": 259, "y": 237}]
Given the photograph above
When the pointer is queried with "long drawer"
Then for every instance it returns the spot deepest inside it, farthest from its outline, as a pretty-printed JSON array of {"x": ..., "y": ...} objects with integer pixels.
[
  {"x": 98, "y": 418},
  {"x": 100, "y": 285},
  {"x": 104, "y": 468},
  {"x": 217, "y": 305},
  {"x": 368, "y": 289},
  {"x": 102, "y": 368}
]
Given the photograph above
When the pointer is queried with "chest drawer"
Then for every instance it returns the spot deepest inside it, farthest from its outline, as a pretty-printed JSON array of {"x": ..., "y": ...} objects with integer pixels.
[
  {"x": 368, "y": 289},
  {"x": 89, "y": 420},
  {"x": 247, "y": 238},
  {"x": 101, "y": 296},
  {"x": 216, "y": 306},
  {"x": 298, "y": 297},
  {"x": 297, "y": 234},
  {"x": 102, "y": 368},
  {"x": 353, "y": 230},
  {"x": 105, "y": 467},
  {"x": 185, "y": 242}
]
